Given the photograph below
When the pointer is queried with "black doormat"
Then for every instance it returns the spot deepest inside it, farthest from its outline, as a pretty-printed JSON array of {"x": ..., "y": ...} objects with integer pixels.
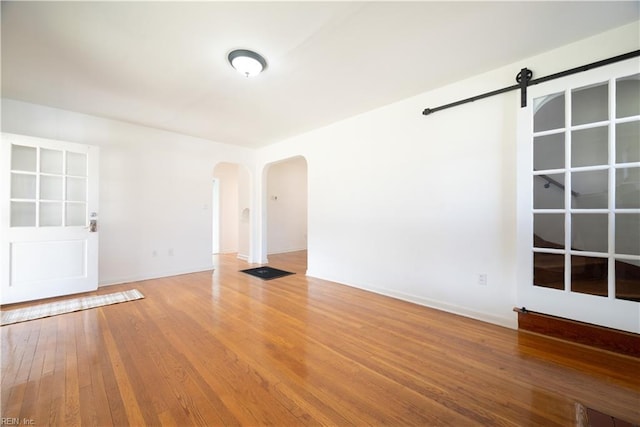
[{"x": 266, "y": 273}]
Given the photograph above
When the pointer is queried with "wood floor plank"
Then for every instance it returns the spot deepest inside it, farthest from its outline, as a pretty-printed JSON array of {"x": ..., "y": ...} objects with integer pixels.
[
  {"x": 225, "y": 348},
  {"x": 71, "y": 408},
  {"x": 94, "y": 403},
  {"x": 122, "y": 387},
  {"x": 15, "y": 352},
  {"x": 104, "y": 375}
]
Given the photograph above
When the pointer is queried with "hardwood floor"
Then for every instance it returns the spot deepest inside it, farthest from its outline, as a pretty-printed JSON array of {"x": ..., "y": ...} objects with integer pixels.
[{"x": 225, "y": 348}]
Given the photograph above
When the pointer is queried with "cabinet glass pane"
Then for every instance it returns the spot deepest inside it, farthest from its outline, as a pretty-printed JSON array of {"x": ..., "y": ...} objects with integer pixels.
[
  {"x": 589, "y": 147},
  {"x": 628, "y": 188},
  {"x": 589, "y": 232},
  {"x": 50, "y": 187},
  {"x": 628, "y": 96},
  {"x": 548, "y": 152},
  {"x": 628, "y": 142},
  {"x": 590, "y": 104},
  {"x": 591, "y": 189},
  {"x": 23, "y": 158},
  {"x": 548, "y": 191},
  {"x": 50, "y": 161},
  {"x": 548, "y": 270},
  {"x": 23, "y": 186},
  {"x": 549, "y": 112},
  {"x": 50, "y": 214},
  {"x": 628, "y": 280},
  {"x": 548, "y": 231},
  {"x": 76, "y": 214},
  {"x": 628, "y": 234},
  {"x": 589, "y": 275},
  {"x": 76, "y": 164},
  {"x": 23, "y": 214},
  {"x": 76, "y": 189}
]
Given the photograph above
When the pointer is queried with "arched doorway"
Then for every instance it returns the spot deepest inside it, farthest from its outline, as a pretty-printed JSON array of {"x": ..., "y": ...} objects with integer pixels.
[
  {"x": 286, "y": 206},
  {"x": 231, "y": 209}
]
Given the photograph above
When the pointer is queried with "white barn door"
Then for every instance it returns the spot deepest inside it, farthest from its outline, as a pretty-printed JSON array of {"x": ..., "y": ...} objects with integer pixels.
[
  {"x": 579, "y": 197},
  {"x": 48, "y": 218}
]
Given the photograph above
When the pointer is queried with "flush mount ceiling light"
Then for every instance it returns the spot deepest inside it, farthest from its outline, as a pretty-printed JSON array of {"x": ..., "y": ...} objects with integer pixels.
[{"x": 247, "y": 62}]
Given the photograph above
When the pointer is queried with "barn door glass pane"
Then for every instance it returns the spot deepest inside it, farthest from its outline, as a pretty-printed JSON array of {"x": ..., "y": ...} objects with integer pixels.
[
  {"x": 627, "y": 96},
  {"x": 589, "y": 275},
  {"x": 548, "y": 270},
  {"x": 627, "y": 276},
  {"x": 627, "y": 142},
  {"x": 589, "y": 232},
  {"x": 548, "y": 152},
  {"x": 548, "y": 191},
  {"x": 590, "y": 104},
  {"x": 628, "y": 188},
  {"x": 590, "y": 189},
  {"x": 589, "y": 147},
  {"x": 549, "y": 112},
  {"x": 548, "y": 231},
  {"x": 627, "y": 234}
]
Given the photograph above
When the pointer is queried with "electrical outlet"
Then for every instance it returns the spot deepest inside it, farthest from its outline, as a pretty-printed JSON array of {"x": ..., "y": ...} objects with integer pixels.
[{"x": 482, "y": 279}]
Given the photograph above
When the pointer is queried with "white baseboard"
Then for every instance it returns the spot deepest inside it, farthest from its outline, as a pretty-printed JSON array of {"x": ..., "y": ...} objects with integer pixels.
[
  {"x": 156, "y": 275},
  {"x": 510, "y": 322},
  {"x": 286, "y": 251}
]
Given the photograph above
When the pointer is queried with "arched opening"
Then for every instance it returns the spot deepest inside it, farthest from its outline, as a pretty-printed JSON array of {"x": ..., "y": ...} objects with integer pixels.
[
  {"x": 286, "y": 201},
  {"x": 231, "y": 210}
]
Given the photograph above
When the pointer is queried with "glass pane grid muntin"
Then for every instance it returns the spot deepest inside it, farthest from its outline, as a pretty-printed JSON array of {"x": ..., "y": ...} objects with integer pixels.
[
  {"x": 614, "y": 121},
  {"x": 610, "y": 210},
  {"x": 35, "y": 168},
  {"x": 586, "y": 126}
]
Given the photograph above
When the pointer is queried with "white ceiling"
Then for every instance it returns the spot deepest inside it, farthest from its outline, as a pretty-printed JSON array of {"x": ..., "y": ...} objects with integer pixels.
[{"x": 163, "y": 64}]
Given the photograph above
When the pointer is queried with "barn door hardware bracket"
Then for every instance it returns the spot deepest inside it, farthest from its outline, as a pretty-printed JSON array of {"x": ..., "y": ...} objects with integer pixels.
[{"x": 525, "y": 79}]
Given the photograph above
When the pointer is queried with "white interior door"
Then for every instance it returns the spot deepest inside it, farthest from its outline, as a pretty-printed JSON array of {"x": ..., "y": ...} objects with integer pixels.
[
  {"x": 48, "y": 218},
  {"x": 579, "y": 197}
]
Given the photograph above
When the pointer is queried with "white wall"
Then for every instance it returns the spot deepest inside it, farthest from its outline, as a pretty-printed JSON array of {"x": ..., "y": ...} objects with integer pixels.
[
  {"x": 235, "y": 208},
  {"x": 287, "y": 206},
  {"x": 155, "y": 189},
  {"x": 417, "y": 207},
  {"x": 227, "y": 174},
  {"x": 244, "y": 213}
]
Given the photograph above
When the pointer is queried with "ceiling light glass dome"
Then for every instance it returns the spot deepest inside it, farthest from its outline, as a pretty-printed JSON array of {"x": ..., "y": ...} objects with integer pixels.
[{"x": 247, "y": 62}]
